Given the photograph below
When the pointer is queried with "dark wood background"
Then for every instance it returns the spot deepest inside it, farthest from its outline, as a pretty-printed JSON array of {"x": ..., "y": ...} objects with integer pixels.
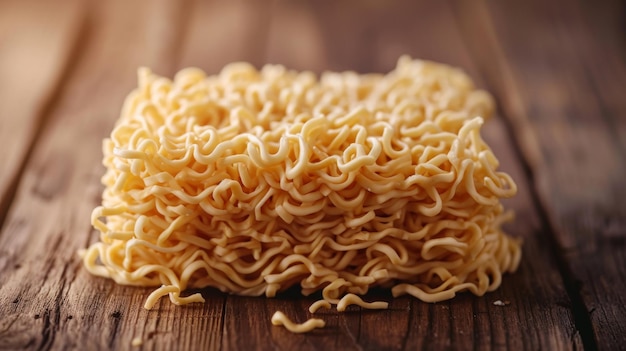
[{"x": 556, "y": 68}]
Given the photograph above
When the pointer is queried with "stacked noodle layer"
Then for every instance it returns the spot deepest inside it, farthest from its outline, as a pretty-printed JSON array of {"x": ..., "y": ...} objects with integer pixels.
[{"x": 254, "y": 181}]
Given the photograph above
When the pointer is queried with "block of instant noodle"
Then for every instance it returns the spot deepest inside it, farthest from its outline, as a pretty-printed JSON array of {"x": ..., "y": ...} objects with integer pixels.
[{"x": 255, "y": 181}]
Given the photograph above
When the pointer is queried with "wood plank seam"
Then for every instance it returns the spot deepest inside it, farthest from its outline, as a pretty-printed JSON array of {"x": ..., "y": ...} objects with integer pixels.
[
  {"x": 405, "y": 339},
  {"x": 77, "y": 41},
  {"x": 582, "y": 317},
  {"x": 595, "y": 85},
  {"x": 475, "y": 343},
  {"x": 608, "y": 118},
  {"x": 52, "y": 318},
  {"x": 223, "y": 321}
]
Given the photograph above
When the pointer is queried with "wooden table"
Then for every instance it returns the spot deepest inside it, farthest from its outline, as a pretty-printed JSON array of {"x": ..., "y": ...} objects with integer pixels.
[{"x": 556, "y": 68}]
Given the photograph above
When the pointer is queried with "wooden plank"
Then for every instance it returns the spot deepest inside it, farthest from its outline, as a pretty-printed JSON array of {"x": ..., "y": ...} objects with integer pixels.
[
  {"x": 370, "y": 37},
  {"x": 221, "y": 32},
  {"x": 537, "y": 303},
  {"x": 295, "y": 38},
  {"x": 373, "y": 35},
  {"x": 561, "y": 81},
  {"x": 48, "y": 301},
  {"x": 36, "y": 40}
]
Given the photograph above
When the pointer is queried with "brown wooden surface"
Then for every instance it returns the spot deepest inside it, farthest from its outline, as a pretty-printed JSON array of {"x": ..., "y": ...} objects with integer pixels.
[{"x": 557, "y": 70}]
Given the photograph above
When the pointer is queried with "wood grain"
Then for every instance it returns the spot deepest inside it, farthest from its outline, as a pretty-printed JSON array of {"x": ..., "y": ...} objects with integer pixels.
[
  {"x": 540, "y": 303},
  {"x": 557, "y": 70},
  {"x": 36, "y": 42},
  {"x": 48, "y": 300},
  {"x": 221, "y": 32},
  {"x": 558, "y": 81}
]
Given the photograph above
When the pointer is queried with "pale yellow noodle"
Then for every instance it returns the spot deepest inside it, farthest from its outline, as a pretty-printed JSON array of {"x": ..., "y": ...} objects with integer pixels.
[
  {"x": 279, "y": 318},
  {"x": 319, "y": 304},
  {"x": 253, "y": 181},
  {"x": 351, "y": 299}
]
